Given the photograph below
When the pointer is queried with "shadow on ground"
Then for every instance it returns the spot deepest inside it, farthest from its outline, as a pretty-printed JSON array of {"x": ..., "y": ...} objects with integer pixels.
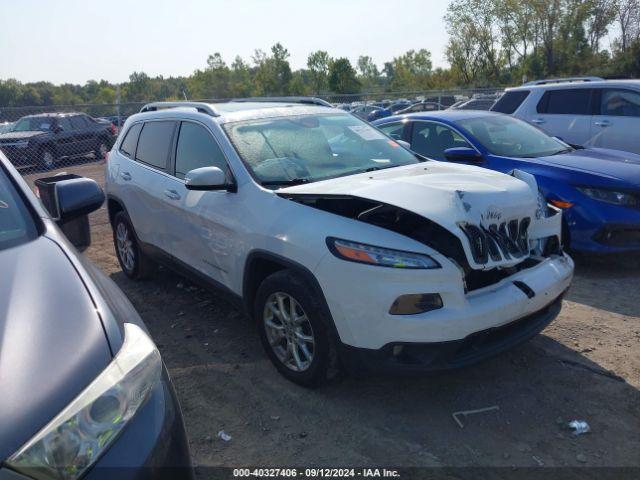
[{"x": 607, "y": 282}]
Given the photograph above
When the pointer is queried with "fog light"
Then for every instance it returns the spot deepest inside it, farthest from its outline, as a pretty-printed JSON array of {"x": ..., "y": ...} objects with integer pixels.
[{"x": 415, "y": 303}]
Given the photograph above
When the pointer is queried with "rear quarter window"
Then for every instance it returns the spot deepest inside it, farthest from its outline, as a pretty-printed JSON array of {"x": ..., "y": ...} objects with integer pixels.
[
  {"x": 154, "y": 144},
  {"x": 130, "y": 142},
  {"x": 510, "y": 101}
]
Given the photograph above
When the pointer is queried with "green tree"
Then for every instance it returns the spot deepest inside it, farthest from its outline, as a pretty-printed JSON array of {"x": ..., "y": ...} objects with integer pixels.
[
  {"x": 318, "y": 65},
  {"x": 342, "y": 77}
]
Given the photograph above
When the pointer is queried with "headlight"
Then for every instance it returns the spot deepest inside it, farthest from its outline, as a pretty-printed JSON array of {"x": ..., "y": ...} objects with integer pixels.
[
  {"x": 76, "y": 438},
  {"x": 611, "y": 196},
  {"x": 383, "y": 257}
]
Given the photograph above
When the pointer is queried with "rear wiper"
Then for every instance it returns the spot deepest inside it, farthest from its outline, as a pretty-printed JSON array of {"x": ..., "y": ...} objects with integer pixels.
[{"x": 285, "y": 183}]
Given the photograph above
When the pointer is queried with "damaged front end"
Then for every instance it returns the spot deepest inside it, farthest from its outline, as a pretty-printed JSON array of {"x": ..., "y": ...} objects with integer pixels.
[{"x": 496, "y": 247}]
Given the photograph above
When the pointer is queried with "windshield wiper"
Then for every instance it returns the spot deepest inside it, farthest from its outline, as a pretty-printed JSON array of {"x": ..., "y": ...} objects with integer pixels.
[
  {"x": 285, "y": 183},
  {"x": 566, "y": 150}
]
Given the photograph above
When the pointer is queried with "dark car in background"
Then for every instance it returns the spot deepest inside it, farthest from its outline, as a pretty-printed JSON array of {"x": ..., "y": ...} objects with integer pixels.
[
  {"x": 84, "y": 390},
  {"x": 45, "y": 138},
  {"x": 424, "y": 106},
  {"x": 482, "y": 103},
  {"x": 445, "y": 100}
]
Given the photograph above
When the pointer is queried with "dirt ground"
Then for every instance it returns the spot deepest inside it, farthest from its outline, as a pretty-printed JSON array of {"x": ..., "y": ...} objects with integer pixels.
[{"x": 585, "y": 366}]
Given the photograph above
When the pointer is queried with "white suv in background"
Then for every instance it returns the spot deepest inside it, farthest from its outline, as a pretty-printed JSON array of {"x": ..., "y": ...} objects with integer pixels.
[
  {"x": 588, "y": 111},
  {"x": 345, "y": 247}
]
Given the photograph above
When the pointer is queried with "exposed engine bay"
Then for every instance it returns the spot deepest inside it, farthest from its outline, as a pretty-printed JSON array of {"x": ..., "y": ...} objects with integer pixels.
[{"x": 508, "y": 240}]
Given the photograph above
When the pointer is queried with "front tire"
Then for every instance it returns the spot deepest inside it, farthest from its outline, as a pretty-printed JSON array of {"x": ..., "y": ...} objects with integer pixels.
[
  {"x": 134, "y": 263},
  {"x": 294, "y": 331},
  {"x": 47, "y": 158}
]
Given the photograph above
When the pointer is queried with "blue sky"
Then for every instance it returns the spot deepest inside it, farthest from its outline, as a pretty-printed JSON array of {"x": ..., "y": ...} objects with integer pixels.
[{"x": 78, "y": 40}]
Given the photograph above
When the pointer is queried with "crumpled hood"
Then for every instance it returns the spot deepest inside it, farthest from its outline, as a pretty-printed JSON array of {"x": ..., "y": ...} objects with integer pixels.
[
  {"x": 624, "y": 166},
  {"x": 443, "y": 192},
  {"x": 52, "y": 344},
  {"x": 13, "y": 136}
]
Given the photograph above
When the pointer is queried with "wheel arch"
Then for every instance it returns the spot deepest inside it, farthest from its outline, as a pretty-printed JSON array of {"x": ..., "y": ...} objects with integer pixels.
[
  {"x": 114, "y": 205},
  {"x": 261, "y": 263}
]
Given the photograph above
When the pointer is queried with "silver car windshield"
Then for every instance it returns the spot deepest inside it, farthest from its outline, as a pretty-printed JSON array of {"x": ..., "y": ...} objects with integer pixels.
[{"x": 300, "y": 149}]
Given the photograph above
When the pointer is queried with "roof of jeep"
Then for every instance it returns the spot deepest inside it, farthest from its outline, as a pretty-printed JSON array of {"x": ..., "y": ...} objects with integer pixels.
[{"x": 242, "y": 111}]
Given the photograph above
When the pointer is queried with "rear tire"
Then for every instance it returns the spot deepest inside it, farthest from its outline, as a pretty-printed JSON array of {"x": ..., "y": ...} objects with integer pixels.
[
  {"x": 294, "y": 329},
  {"x": 101, "y": 149},
  {"x": 134, "y": 263}
]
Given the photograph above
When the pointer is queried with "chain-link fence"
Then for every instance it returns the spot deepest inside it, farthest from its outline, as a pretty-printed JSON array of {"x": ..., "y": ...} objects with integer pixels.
[{"x": 76, "y": 138}]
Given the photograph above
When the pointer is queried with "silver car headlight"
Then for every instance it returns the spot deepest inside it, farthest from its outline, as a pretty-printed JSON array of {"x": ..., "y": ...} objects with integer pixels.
[
  {"x": 383, "y": 257},
  {"x": 611, "y": 196},
  {"x": 77, "y": 437}
]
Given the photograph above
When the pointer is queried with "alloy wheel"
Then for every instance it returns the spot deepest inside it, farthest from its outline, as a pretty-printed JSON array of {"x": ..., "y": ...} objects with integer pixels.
[
  {"x": 125, "y": 247},
  {"x": 47, "y": 159},
  {"x": 289, "y": 331}
]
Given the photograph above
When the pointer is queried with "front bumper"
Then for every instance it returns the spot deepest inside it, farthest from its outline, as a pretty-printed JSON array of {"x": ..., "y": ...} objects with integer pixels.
[
  {"x": 359, "y": 297},
  {"x": 434, "y": 357},
  {"x": 601, "y": 228},
  {"x": 152, "y": 446}
]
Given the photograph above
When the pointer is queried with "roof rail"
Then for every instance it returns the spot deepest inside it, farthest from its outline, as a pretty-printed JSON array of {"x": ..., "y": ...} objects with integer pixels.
[
  {"x": 305, "y": 100},
  {"x": 199, "y": 106},
  {"x": 564, "y": 80}
]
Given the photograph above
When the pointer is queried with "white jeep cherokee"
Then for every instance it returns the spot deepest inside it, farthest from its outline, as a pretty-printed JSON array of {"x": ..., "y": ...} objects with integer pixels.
[{"x": 345, "y": 247}]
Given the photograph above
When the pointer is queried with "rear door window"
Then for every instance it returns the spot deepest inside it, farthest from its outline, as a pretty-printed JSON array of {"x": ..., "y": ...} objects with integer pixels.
[
  {"x": 574, "y": 101},
  {"x": 128, "y": 146},
  {"x": 620, "y": 103},
  {"x": 196, "y": 148},
  {"x": 510, "y": 101},
  {"x": 78, "y": 122},
  {"x": 154, "y": 144}
]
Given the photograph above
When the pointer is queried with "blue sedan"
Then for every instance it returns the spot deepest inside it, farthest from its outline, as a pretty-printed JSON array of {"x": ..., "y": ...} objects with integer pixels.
[{"x": 597, "y": 189}]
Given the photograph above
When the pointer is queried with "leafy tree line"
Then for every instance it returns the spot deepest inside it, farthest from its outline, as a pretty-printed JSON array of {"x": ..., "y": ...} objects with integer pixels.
[
  {"x": 492, "y": 43},
  {"x": 506, "y": 41}
]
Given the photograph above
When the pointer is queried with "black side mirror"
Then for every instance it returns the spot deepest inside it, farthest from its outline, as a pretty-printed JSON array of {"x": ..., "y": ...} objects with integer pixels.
[
  {"x": 69, "y": 199},
  {"x": 462, "y": 154},
  {"x": 78, "y": 197}
]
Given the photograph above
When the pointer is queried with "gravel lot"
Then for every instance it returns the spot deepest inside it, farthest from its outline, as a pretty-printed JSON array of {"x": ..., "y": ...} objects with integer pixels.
[{"x": 585, "y": 366}]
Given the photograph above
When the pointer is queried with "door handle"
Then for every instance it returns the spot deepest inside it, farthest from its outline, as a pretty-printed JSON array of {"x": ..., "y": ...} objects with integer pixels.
[
  {"x": 172, "y": 194},
  {"x": 126, "y": 176},
  {"x": 538, "y": 121},
  {"x": 603, "y": 123}
]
